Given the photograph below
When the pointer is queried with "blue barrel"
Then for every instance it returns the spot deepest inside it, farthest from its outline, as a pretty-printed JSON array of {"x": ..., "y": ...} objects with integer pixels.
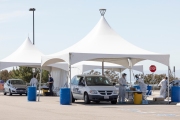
[
  {"x": 31, "y": 93},
  {"x": 149, "y": 92},
  {"x": 65, "y": 96},
  {"x": 137, "y": 87},
  {"x": 175, "y": 94}
]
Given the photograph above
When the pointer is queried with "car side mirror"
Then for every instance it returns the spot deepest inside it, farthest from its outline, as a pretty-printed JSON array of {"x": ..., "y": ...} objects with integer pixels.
[{"x": 114, "y": 84}]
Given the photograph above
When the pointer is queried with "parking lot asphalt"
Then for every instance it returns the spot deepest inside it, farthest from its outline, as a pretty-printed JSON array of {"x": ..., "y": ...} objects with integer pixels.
[{"x": 18, "y": 108}]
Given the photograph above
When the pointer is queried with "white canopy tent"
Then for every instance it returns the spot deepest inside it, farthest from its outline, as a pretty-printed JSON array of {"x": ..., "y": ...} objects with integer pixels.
[
  {"x": 28, "y": 55},
  {"x": 105, "y": 45}
]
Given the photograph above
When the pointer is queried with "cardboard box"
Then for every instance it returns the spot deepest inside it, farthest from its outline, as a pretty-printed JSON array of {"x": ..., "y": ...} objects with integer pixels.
[
  {"x": 158, "y": 99},
  {"x": 132, "y": 89}
]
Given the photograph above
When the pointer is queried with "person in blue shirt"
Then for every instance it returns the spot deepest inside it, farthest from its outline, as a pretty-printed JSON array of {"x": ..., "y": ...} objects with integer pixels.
[{"x": 50, "y": 81}]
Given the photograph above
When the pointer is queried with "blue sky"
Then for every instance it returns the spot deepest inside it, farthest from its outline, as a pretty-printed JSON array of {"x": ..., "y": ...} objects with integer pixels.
[{"x": 153, "y": 25}]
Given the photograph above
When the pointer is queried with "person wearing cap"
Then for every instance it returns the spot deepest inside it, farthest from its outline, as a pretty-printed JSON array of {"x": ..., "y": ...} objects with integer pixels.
[
  {"x": 122, "y": 88},
  {"x": 51, "y": 81}
]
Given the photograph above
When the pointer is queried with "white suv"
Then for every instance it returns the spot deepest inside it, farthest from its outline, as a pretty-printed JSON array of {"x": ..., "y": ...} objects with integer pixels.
[{"x": 93, "y": 88}]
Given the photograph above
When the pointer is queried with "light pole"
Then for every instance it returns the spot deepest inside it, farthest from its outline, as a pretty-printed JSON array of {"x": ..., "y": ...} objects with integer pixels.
[{"x": 33, "y": 9}]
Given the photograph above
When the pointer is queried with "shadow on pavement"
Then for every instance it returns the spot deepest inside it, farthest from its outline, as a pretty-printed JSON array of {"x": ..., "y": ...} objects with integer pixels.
[{"x": 126, "y": 104}]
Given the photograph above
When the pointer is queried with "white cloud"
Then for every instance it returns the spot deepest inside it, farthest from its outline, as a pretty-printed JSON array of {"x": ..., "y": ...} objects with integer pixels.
[{"x": 12, "y": 15}]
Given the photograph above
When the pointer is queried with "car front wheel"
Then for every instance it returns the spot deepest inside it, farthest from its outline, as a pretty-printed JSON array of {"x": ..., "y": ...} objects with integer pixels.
[
  {"x": 4, "y": 93},
  {"x": 10, "y": 92},
  {"x": 86, "y": 98},
  {"x": 73, "y": 100}
]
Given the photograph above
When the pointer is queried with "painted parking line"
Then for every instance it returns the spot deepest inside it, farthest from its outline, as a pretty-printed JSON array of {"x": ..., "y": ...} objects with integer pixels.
[{"x": 151, "y": 113}]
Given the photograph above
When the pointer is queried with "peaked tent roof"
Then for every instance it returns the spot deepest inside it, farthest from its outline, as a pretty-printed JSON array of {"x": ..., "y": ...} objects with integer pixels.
[
  {"x": 104, "y": 44},
  {"x": 26, "y": 54},
  {"x": 90, "y": 65}
]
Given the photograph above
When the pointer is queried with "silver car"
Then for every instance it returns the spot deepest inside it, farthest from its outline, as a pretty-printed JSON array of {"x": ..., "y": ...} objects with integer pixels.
[{"x": 15, "y": 86}]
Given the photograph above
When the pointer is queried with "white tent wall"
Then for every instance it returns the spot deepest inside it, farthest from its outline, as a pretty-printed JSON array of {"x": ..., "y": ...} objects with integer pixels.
[
  {"x": 91, "y": 65},
  {"x": 61, "y": 65},
  {"x": 76, "y": 70},
  {"x": 59, "y": 76}
]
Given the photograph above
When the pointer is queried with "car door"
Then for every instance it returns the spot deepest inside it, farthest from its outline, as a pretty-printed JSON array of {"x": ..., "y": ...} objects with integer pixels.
[
  {"x": 6, "y": 86},
  {"x": 75, "y": 88},
  {"x": 81, "y": 87}
]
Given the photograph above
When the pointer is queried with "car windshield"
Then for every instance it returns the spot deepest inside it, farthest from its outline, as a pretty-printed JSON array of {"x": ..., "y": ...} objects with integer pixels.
[
  {"x": 17, "y": 82},
  {"x": 97, "y": 81}
]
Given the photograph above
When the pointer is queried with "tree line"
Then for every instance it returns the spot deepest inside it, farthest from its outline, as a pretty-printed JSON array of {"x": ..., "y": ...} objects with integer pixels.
[{"x": 24, "y": 73}]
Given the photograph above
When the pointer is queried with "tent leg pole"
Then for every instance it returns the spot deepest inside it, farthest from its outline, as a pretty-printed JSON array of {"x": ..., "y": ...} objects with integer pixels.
[
  {"x": 130, "y": 72},
  {"x": 40, "y": 84},
  {"x": 70, "y": 77},
  {"x": 130, "y": 67},
  {"x": 130, "y": 76},
  {"x": 103, "y": 68},
  {"x": 143, "y": 75},
  {"x": 174, "y": 73},
  {"x": 70, "y": 83},
  {"x": 168, "y": 83},
  {"x": 120, "y": 73},
  {"x": 119, "y": 84},
  {"x": 153, "y": 80}
]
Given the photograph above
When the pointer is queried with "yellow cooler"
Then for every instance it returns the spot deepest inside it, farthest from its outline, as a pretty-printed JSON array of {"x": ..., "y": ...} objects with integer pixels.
[
  {"x": 138, "y": 98},
  {"x": 44, "y": 91}
]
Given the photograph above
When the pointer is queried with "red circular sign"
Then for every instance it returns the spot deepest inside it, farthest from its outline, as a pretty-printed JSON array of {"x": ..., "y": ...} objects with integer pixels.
[{"x": 152, "y": 68}]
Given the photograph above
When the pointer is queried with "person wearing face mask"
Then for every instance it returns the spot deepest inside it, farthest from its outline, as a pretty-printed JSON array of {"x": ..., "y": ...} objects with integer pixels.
[{"x": 122, "y": 88}]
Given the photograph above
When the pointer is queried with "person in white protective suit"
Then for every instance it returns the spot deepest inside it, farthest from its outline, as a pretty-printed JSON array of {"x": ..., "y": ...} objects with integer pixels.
[
  {"x": 122, "y": 88},
  {"x": 163, "y": 85},
  {"x": 142, "y": 85}
]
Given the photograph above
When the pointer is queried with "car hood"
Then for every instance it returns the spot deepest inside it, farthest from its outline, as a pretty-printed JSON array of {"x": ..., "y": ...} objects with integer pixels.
[
  {"x": 102, "y": 87},
  {"x": 19, "y": 86}
]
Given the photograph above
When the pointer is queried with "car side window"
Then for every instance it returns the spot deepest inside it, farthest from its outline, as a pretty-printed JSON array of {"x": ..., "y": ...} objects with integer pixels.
[{"x": 81, "y": 81}]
